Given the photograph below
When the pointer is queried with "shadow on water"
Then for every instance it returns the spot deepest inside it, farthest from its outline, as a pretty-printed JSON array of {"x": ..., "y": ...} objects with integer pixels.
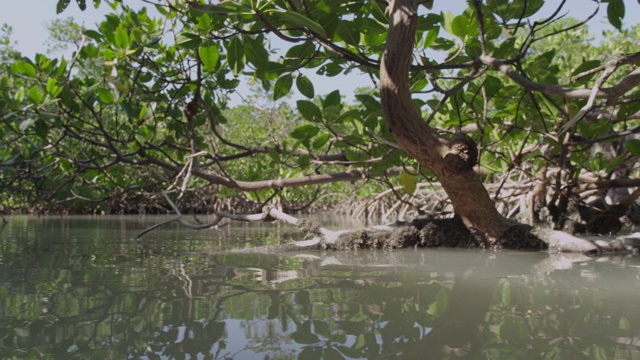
[{"x": 80, "y": 288}]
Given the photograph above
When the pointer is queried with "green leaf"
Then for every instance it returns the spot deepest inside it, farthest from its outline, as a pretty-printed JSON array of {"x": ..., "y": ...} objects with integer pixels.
[
  {"x": 532, "y": 7},
  {"x": 305, "y": 132},
  {"x": 304, "y": 160},
  {"x": 93, "y": 34},
  {"x": 282, "y": 86},
  {"x": 332, "y": 99},
  {"x": 507, "y": 49},
  {"x": 516, "y": 9},
  {"x": 209, "y": 56},
  {"x": 615, "y": 13},
  {"x": 143, "y": 112},
  {"x": 460, "y": 26},
  {"x": 212, "y": 9},
  {"x": 357, "y": 124},
  {"x": 369, "y": 26},
  {"x": 229, "y": 84},
  {"x": 309, "y": 110},
  {"x": 225, "y": 8},
  {"x": 62, "y": 5},
  {"x": 431, "y": 36},
  {"x": 23, "y": 68},
  {"x": 628, "y": 109},
  {"x": 330, "y": 69},
  {"x": 473, "y": 47},
  {"x": 52, "y": 88},
  {"x": 19, "y": 95},
  {"x": 299, "y": 53},
  {"x": 122, "y": 38},
  {"x": 613, "y": 164},
  {"x": 41, "y": 129},
  {"x": 65, "y": 165},
  {"x": 82, "y": 4},
  {"x": 188, "y": 40},
  {"x": 408, "y": 181},
  {"x": 255, "y": 52},
  {"x": 331, "y": 113},
  {"x": 203, "y": 22},
  {"x": 273, "y": 154},
  {"x": 320, "y": 141},
  {"x": 235, "y": 56},
  {"x": 493, "y": 164},
  {"x": 348, "y": 33},
  {"x": 305, "y": 86},
  {"x": 345, "y": 115},
  {"x": 106, "y": 96},
  {"x": 300, "y": 20},
  {"x": 369, "y": 102},
  {"x": 378, "y": 11},
  {"x": 596, "y": 130},
  {"x": 447, "y": 22},
  {"x": 492, "y": 85},
  {"x": 633, "y": 146},
  {"x": 35, "y": 95}
]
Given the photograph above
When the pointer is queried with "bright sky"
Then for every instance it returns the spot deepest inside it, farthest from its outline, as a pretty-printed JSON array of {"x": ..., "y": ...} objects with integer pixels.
[{"x": 29, "y": 19}]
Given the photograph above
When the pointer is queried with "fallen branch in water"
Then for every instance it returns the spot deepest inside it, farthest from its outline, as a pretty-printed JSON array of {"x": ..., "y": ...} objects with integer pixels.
[
  {"x": 268, "y": 214},
  {"x": 181, "y": 220},
  {"x": 421, "y": 232}
]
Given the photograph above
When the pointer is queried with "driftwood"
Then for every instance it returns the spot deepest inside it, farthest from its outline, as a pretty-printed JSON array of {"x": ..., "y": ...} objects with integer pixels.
[{"x": 420, "y": 232}]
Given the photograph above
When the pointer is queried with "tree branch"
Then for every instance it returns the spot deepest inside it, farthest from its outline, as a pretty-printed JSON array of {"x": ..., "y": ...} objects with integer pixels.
[
  {"x": 632, "y": 80},
  {"x": 349, "y": 175}
]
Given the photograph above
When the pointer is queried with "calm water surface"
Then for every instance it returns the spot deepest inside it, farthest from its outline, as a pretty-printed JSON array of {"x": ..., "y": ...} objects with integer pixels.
[{"x": 80, "y": 288}]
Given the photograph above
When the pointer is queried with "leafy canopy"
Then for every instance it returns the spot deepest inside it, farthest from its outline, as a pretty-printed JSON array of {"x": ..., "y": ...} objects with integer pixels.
[{"x": 142, "y": 105}]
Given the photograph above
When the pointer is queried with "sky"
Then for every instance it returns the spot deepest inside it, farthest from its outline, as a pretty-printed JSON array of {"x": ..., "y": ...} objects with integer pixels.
[{"x": 29, "y": 19}]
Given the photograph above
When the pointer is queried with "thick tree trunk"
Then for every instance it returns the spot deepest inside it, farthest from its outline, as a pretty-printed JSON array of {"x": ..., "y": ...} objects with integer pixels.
[{"x": 452, "y": 160}]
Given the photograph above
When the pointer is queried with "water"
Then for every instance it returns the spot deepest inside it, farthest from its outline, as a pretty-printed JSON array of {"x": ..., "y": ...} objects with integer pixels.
[{"x": 80, "y": 288}]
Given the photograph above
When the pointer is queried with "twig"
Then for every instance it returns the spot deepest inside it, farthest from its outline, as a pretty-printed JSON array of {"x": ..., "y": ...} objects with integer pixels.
[
  {"x": 611, "y": 66},
  {"x": 629, "y": 82},
  {"x": 587, "y": 73},
  {"x": 151, "y": 228},
  {"x": 179, "y": 219}
]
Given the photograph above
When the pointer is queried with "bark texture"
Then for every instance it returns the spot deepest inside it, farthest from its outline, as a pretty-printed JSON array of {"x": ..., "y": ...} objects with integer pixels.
[{"x": 451, "y": 159}]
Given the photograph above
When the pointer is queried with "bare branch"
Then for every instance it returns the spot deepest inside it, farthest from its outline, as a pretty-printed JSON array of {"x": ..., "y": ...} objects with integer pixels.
[
  {"x": 632, "y": 80},
  {"x": 349, "y": 175},
  {"x": 610, "y": 67}
]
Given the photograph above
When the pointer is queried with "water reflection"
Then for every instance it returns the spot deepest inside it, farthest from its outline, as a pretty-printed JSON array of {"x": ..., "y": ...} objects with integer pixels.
[{"x": 72, "y": 288}]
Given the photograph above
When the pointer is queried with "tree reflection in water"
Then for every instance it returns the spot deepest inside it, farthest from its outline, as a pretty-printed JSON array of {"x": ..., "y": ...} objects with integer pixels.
[{"x": 125, "y": 302}]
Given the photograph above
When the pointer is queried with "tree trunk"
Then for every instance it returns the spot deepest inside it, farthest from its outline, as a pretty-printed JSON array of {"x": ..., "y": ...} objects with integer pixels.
[{"x": 452, "y": 160}]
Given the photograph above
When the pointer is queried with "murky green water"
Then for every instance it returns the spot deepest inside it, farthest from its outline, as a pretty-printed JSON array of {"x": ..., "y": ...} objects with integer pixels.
[{"x": 80, "y": 288}]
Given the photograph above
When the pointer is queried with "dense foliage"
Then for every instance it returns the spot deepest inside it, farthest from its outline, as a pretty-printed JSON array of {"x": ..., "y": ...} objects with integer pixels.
[{"x": 142, "y": 105}]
